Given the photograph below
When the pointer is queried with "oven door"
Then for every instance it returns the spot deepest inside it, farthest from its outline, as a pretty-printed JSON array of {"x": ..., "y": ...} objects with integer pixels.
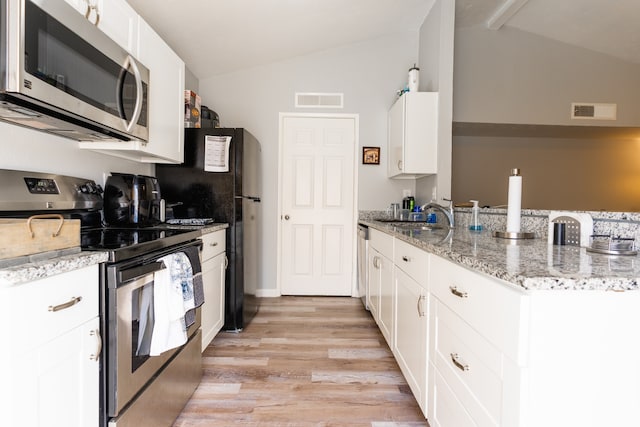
[{"x": 130, "y": 320}]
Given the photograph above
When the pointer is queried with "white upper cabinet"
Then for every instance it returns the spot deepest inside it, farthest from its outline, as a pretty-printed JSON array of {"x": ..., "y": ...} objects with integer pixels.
[
  {"x": 115, "y": 18},
  {"x": 413, "y": 135},
  {"x": 165, "y": 102},
  {"x": 166, "y": 96}
]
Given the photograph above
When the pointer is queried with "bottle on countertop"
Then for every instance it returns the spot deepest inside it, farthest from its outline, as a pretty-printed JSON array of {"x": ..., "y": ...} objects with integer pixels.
[{"x": 475, "y": 221}]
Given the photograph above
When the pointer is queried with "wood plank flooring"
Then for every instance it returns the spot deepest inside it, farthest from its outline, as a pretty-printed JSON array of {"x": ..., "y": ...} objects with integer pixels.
[{"x": 303, "y": 361}]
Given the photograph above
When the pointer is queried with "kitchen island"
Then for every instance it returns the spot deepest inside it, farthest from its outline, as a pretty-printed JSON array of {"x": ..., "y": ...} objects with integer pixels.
[
  {"x": 500, "y": 332},
  {"x": 531, "y": 264}
]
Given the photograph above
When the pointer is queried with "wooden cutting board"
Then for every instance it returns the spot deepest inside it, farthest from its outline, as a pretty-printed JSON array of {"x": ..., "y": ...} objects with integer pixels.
[{"x": 39, "y": 233}]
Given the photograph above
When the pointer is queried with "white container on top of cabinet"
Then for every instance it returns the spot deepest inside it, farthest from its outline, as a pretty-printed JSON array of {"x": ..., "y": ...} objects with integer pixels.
[{"x": 413, "y": 136}]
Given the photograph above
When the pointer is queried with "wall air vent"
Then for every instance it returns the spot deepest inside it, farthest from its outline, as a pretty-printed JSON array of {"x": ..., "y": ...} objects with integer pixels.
[
  {"x": 319, "y": 100},
  {"x": 585, "y": 110}
]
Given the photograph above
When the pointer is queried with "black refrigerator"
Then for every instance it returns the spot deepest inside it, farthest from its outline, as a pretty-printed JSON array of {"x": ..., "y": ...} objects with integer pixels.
[{"x": 220, "y": 179}]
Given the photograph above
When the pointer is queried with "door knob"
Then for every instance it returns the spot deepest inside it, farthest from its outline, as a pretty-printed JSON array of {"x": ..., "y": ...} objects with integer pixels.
[{"x": 286, "y": 217}]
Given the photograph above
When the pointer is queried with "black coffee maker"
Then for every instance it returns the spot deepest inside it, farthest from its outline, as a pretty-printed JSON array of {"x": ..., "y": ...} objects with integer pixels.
[{"x": 132, "y": 200}]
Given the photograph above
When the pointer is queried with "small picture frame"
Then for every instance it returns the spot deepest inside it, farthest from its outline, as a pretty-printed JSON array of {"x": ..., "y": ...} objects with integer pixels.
[{"x": 370, "y": 155}]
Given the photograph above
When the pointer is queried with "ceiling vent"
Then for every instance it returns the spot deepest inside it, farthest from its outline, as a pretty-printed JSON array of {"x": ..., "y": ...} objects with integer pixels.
[
  {"x": 319, "y": 100},
  {"x": 584, "y": 110}
]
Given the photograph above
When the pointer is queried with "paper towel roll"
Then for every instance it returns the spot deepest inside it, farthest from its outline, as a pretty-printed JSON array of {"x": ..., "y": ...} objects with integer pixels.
[{"x": 514, "y": 202}]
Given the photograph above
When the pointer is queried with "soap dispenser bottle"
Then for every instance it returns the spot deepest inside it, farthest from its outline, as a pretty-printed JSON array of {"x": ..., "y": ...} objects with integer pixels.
[{"x": 475, "y": 221}]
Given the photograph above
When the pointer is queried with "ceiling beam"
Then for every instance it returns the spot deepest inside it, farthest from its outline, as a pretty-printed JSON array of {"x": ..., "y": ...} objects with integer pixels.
[{"x": 504, "y": 13}]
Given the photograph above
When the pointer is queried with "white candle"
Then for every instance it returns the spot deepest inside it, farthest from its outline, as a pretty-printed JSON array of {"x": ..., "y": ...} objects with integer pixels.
[{"x": 514, "y": 201}]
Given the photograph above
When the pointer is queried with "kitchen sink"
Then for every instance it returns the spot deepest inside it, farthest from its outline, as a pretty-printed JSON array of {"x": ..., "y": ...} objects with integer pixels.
[{"x": 412, "y": 225}]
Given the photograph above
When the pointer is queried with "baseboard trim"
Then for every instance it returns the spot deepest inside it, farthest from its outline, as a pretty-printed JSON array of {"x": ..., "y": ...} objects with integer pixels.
[{"x": 267, "y": 293}]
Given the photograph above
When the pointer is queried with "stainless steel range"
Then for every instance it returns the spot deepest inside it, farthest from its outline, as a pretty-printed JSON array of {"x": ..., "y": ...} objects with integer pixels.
[{"x": 142, "y": 383}]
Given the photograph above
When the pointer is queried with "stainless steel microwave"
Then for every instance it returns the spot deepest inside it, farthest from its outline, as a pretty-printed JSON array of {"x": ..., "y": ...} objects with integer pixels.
[{"x": 60, "y": 74}]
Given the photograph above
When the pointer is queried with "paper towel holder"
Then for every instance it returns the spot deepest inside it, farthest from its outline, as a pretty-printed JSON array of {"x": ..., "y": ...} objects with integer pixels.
[{"x": 517, "y": 234}]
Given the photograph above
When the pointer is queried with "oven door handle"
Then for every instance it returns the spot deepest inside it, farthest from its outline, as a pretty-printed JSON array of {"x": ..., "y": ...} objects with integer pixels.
[{"x": 140, "y": 271}]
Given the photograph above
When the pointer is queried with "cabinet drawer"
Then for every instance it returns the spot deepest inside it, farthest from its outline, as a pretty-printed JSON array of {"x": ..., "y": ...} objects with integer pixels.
[
  {"x": 44, "y": 309},
  {"x": 447, "y": 410},
  {"x": 382, "y": 242},
  {"x": 413, "y": 261},
  {"x": 494, "y": 309},
  {"x": 213, "y": 244},
  {"x": 470, "y": 365}
]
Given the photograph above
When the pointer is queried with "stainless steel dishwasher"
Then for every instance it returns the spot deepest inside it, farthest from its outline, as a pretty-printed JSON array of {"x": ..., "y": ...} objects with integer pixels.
[{"x": 363, "y": 253}]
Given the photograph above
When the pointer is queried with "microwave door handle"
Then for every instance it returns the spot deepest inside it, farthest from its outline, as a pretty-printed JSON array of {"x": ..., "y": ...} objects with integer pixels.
[{"x": 130, "y": 62}]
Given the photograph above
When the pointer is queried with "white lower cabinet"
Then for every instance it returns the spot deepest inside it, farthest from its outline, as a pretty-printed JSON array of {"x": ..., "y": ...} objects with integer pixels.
[
  {"x": 214, "y": 267},
  {"x": 373, "y": 298},
  {"x": 478, "y": 351},
  {"x": 478, "y": 329},
  {"x": 381, "y": 283},
  {"x": 51, "y": 347},
  {"x": 410, "y": 349}
]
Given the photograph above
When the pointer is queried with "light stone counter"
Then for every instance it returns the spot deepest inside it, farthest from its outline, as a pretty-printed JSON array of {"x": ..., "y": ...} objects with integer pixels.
[
  {"x": 45, "y": 265},
  {"x": 529, "y": 264},
  {"x": 28, "y": 272}
]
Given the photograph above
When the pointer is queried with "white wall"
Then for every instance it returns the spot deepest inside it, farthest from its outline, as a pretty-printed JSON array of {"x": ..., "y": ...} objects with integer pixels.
[
  {"x": 368, "y": 73},
  {"x": 436, "y": 75},
  {"x": 511, "y": 76},
  {"x": 30, "y": 150}
]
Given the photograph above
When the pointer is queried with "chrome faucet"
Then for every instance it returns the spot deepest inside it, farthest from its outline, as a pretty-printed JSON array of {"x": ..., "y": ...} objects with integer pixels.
[{"x": 447, "y": 212}]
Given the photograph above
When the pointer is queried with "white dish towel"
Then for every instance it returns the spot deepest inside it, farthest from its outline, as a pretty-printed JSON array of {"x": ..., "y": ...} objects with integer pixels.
[{"x": 173, "y": 296}]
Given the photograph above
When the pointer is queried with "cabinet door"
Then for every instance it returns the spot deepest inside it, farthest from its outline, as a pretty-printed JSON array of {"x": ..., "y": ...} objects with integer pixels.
[
  {"x": 166, "y": 97},
  {"x": 374, "y": 263},
  {"x": 387, "y": 299},
  {"x": 213, "y": 276},
  {"x": 396, "y": 138},
  {"x": 57, "y": 383},
  {"x": 413, "y": 135},
  {"x": 411, "y": 333},
  {"x": 115, "y": 18}
]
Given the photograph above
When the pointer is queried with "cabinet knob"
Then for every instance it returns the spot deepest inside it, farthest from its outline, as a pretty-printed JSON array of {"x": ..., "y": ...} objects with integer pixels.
[
  {"x": 287, "y": 217},
  {"x": 214, "y": 244}
]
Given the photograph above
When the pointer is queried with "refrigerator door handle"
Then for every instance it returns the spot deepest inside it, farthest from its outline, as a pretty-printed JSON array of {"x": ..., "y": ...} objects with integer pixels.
[{"x": 252, "y": 198}]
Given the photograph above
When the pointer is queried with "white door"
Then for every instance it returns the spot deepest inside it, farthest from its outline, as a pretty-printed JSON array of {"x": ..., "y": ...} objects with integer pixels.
[{"x": 318, "y": 205}]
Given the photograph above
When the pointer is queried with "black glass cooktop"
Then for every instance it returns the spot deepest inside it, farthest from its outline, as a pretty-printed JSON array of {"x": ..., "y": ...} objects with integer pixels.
[{"x": 125, "y": 243}]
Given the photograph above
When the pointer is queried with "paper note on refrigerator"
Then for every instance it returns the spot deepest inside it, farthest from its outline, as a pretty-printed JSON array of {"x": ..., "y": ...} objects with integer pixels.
[{"x": 216, "y": 153}]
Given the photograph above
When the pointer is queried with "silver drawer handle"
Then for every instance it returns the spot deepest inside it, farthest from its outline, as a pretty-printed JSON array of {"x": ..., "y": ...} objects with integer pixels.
[
  {"x": 420, "y": 307},
  {"x": 214, "y": 244},
  {"x": 74, "y": 301},
  {"x": 96, "y": 333},
  {"x": 459, "y": 364},
  {"x": 460, "y": 294}
]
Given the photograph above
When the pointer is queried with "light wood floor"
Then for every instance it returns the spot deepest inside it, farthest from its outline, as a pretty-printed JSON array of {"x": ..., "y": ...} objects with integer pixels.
[{"x": 303, "y": 361}]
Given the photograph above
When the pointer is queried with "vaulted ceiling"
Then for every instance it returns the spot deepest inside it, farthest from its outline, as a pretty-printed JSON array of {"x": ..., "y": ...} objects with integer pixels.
[{"x": 221, "y": 36}]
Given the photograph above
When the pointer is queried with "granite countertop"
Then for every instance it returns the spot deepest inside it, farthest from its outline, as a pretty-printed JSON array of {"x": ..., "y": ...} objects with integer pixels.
[
  {"x": 530, "y": 264},
  {"x": 30, "y": 271},
  {"x": 49, "y": 264}
]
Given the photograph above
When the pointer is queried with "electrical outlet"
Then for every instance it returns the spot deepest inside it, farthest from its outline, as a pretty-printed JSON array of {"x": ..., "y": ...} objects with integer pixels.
[
  {"x": 434, "y": 194},
  {"x": 406, "y": 193}
]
